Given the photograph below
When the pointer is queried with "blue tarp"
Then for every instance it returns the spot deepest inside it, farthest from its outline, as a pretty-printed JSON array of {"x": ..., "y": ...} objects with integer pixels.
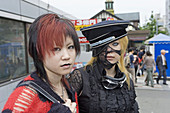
[{"x": 159, "y": 39}]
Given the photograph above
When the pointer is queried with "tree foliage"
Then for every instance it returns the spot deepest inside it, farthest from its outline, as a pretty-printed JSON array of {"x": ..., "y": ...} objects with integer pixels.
[{"x": 154, "y": 27}]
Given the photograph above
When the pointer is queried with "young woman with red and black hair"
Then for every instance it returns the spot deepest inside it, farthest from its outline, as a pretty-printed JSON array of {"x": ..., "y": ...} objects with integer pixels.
[{"x": 53, "y": 45}]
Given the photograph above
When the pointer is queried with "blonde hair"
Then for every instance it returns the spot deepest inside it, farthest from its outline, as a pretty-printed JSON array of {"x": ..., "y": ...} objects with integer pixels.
[{"x": 123, "y": 43}]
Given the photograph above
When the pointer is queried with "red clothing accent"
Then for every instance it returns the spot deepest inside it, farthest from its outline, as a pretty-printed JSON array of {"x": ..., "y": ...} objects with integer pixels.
[
  {"x": 28, "y": 78},
  {"x": 77, "y": 107},
  {"x": 27, "y": 100}
]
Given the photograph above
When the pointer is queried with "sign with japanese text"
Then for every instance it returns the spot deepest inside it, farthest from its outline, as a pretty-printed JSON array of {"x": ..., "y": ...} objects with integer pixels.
[
  {"x": 83, "y": 23},
  {"x": 83, "y": 40}
]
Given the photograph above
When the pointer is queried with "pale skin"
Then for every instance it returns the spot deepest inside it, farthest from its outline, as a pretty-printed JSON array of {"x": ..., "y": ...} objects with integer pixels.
[
  {"x": 59, "y": 64},
  {"x": 163, "y": 52},
  {"x": 113, "y": 57}
]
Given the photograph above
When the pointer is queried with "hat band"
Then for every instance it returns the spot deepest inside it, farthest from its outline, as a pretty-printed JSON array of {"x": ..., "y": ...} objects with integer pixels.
[
  {"x": 102, "y": 41},
  {"x": 105, "y": 41}
]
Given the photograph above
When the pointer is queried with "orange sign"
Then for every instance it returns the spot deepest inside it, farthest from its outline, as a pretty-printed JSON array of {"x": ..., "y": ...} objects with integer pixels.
[
  {"x": 109, "y": 18},
  {"x": 83, "y": 23}
]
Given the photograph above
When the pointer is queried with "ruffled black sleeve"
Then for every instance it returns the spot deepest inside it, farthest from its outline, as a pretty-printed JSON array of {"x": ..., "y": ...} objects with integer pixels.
[
  {"x": 75, "y": 79},
  {"x": 135, "y": 107}
]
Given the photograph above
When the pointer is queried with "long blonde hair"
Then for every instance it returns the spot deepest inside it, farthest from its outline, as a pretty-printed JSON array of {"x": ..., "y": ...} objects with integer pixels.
[{"x": 123, "y": 43}]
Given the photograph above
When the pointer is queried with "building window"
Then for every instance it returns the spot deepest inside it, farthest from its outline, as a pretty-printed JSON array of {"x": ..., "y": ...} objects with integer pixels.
[
  {"x": 103, "y": 19},
  {"x": 110, "y": 6},
  {"x": 31, "y": 67},
  {"x": 12, "y": 50}
]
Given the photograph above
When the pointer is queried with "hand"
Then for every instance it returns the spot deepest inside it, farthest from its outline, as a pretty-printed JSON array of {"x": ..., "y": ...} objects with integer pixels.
[{"x": 71, "y": 105}]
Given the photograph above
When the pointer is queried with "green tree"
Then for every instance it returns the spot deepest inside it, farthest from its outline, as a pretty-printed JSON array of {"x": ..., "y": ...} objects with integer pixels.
[{"x": 154, "y": 27}]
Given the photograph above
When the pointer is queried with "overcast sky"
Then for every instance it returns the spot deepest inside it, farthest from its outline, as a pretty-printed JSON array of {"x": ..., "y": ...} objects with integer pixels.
[{"x": 85, "y": 9}]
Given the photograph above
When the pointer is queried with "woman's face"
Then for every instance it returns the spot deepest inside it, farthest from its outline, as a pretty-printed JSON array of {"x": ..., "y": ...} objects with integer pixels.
[
  {"x": 113, "y": 57},
  {"x": 62, "y": 61}
]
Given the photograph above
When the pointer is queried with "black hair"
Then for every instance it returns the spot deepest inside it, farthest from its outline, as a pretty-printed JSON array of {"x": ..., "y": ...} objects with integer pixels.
[{"x": 42, "y": 24}]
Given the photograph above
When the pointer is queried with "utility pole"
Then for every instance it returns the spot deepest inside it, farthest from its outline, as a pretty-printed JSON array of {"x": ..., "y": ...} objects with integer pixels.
[{"x": 156, "y": 26}]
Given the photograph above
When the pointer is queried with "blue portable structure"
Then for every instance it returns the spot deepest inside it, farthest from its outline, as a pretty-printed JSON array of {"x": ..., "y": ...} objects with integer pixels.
[{"x": 161, "y": 41}]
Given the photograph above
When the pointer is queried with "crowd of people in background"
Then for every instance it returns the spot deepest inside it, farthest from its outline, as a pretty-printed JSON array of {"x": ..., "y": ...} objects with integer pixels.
[
  {"x": 135, "y": 61},
  {"x": 138, "y": 63},
  {"x": 141, "y": 61}
]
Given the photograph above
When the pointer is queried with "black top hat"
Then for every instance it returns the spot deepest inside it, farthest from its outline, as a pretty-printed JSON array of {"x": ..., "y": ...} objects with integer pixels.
[{"x": 102, "y": 33}]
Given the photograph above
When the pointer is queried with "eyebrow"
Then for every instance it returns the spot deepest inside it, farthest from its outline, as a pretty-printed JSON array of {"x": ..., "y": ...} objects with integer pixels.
[{"x": 70, "y": 43}]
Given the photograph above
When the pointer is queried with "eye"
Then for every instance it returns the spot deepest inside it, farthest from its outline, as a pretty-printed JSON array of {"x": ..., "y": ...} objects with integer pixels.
[
  {"x": 71, "y": 47},
  {"x": 115, "y": 44},
  {"x": 56, "y": 49}
]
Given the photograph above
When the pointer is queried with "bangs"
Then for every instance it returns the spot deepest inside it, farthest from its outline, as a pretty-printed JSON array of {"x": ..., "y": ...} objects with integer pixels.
[{"x": 53, "y": 32}]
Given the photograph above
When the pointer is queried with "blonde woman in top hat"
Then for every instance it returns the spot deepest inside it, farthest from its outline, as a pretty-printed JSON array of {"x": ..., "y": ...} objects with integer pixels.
[{"x": 104, "y": 85}]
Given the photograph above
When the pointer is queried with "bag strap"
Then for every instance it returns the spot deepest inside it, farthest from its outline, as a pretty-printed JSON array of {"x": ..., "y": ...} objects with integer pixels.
[{"x": 38, "y": 89}]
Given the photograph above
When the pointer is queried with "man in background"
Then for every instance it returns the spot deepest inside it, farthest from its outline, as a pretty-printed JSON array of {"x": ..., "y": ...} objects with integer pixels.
[{"x": 162, "y": 66}]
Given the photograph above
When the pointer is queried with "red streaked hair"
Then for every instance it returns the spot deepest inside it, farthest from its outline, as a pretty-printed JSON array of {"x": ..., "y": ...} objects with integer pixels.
[
  {"x": 47, "y": 31},
  {"x": 52, "y": 31}
]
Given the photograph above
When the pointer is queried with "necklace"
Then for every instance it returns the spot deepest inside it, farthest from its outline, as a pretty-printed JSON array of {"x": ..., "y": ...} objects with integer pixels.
[
  {"x": 62, "y": 90},
  {"x": 62, "y": 95}
]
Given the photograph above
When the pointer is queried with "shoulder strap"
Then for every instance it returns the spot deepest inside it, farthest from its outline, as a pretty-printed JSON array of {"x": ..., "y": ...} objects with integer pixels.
[{"x": 38, "y": 89}]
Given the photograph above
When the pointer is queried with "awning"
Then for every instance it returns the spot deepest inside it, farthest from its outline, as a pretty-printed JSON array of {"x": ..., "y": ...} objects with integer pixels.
[{"x": 159, "y": 39}]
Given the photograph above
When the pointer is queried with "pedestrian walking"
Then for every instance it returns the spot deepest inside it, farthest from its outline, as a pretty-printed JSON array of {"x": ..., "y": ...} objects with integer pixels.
[
  {"x": 141, "y": 58},
  {"x": 136, "y": 64},
  {"x": 162, "y": 66},
  {"x": 150, "y": 67},
  {"x": 131, "y": 68}
]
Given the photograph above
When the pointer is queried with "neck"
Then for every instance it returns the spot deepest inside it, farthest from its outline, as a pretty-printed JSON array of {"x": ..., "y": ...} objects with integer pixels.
[
  {"x": 56, "y": 84},
  {"x": 54, "y": 79},
  {"x": 111, "y": 72}
]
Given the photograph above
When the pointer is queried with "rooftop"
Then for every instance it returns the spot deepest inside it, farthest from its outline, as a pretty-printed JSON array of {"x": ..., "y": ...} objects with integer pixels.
[{"x": 134, "y": 16}]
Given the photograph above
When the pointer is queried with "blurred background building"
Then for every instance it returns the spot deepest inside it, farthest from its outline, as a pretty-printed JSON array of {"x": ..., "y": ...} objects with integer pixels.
[{"x": 167, "y": 11}]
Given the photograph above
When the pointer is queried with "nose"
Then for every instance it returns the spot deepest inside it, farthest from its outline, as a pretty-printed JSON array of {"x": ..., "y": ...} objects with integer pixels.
[
  {"x": 109, "y": 49},
  {"x": 66, "y": 55}
]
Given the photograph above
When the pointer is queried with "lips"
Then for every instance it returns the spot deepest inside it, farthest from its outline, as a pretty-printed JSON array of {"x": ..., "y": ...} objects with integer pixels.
[
  {"x": 110, "y": 57},
  {"x": 66, "y": 65}
]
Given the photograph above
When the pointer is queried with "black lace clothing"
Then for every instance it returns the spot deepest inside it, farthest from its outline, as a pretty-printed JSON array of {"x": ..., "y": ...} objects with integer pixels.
[
  {"x": 75, "y": 79},
  {"x": 94, "y": 98}
]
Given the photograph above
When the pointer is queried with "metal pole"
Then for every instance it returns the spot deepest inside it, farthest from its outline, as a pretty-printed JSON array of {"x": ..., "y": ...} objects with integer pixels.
[{"x": 156, "y": 26}]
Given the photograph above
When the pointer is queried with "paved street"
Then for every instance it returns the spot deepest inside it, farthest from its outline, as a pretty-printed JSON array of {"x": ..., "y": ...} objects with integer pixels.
[{"x": 153, "y": 100}]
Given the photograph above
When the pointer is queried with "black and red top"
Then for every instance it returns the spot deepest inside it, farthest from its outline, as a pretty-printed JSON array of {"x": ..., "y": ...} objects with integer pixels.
[{"x": 27, "y": 100}]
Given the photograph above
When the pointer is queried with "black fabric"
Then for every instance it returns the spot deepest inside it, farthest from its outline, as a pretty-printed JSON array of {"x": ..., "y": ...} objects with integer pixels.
[
  {"x": 95, "y": 99},
  {"x": 59, "y": 108},
  {"x": 7, "y": 111},
  {"x": 46, "y": 87}
]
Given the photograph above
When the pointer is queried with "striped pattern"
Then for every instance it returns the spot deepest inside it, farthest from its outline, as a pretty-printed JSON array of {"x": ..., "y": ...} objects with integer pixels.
[{"x": 24, "y": 100}]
